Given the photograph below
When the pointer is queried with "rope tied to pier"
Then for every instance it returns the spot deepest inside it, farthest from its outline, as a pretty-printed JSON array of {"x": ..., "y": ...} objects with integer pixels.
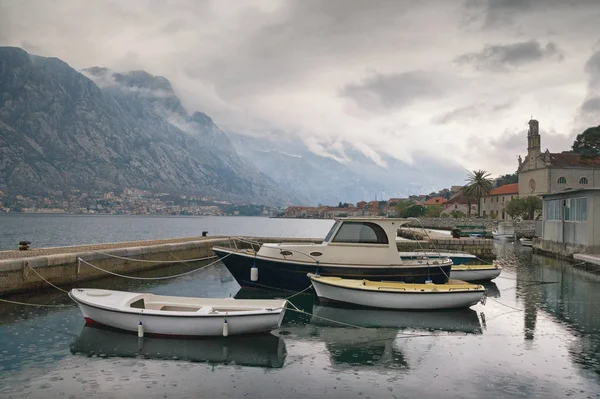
[
  {"x": 39, "y": 305},
  {"x": 42, "y": 277},
  {"x": 151, "y": 278},
  {"x": 156, "y": 261}
]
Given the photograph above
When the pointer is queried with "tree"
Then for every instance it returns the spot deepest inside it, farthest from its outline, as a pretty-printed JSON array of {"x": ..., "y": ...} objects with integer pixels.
[
  {"x": 433, "y": 211},
  {"x": 526, "y": 208},
  {"x": 588, "y": 142},
  {"x": 414, "y": 211},
  {"x": 506, "y": 179},
  {"x": 456, "y": 214},
  {"x": 478, "y": 185},
  {"x": 401, "y": 207}
]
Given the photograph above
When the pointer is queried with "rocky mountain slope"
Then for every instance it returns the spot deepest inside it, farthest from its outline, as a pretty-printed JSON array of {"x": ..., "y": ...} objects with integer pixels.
[
  {"x": 98, "y": 130},
  {"x": 318, "y": 179}
]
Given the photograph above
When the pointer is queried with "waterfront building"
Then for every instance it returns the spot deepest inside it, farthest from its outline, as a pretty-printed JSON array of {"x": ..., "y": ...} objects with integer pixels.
[
  {"x": 493, "y": 206},
  {"x": 569, "y": 221}
]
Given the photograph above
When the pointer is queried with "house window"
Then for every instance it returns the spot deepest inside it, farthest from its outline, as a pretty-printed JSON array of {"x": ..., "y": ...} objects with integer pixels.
[
  {"x": 562, "y": 180},
  {"x": 511, "y": 197},
  {"x": 484, "y": 215},
  {"x": 503, "y": 215},
  {"x": 361, "y": 232},
  {"x": 503, "y": 200},
  {"x": 554, "y": 210},
  {"x": 583, "y": 180},
  {"x": 576, "y": 209}
]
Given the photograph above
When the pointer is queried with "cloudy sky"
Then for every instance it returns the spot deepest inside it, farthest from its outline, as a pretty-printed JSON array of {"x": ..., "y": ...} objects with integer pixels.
[{"x": 451, "y": 79}]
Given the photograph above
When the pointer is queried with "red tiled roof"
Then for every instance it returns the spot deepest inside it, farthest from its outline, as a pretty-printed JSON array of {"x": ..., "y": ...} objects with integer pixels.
[
  {"x": 506, "y": 189},
  {"x": 561, "y": 159},
  {"x": 435, "y": 201}
]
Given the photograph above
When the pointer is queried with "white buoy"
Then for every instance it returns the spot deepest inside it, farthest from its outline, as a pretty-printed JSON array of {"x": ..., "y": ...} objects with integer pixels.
[
  {"x": 254, "y": 273},
  {"x": 140, "y": 329},
  {"x": 225, "y": 328}
]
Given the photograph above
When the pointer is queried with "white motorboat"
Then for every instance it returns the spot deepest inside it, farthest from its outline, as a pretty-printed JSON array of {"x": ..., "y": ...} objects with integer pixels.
[
  {"x": 395, "y": 295},
  {"x": 354, "y": 248},
  {"x": 504, "y": 231},
  {"x": 173, "y": 315},
  {"x": 457, "y": 257},
  {"x": 470, "y": 272},
  {"x": 526, "y": 242}
]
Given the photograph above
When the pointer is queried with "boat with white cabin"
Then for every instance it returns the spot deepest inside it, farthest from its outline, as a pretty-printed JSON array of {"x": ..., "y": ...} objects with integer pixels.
[
  {"x": 173, "y": 315},
  {"x": 395, "y": 295},
  {"x": 354, "y": 248}
]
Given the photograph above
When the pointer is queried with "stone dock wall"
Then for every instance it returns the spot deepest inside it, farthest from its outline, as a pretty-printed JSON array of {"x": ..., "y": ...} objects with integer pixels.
[
  {"x": 522, "y": 227},
  {"x": 60, "y": 266}
]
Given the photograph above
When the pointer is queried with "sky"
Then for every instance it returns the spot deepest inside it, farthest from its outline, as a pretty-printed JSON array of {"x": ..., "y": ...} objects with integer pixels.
[{"x": 457, "y": 80}]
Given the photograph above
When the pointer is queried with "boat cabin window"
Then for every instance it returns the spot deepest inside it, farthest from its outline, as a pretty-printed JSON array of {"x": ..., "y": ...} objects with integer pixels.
[
  {"x": 331, "y": 231},
  {"x": 361, "y": 233}
]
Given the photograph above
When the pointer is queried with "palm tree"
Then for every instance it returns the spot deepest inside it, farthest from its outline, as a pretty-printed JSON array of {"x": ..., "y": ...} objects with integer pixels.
[{"x": 478, "y": 185}]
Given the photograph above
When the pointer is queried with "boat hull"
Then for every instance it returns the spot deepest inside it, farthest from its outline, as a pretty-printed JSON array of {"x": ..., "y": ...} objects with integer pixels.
[
  {"x": 456, "y": 259},
  {"x": 397, "y": 300},
  {"x": 291, "y": 276},
  {"x": 200, "y": 325},
  {"x": 474, "y": 274}
]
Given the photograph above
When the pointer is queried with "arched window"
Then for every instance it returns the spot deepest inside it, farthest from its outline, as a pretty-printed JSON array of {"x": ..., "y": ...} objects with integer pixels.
[
  {"x": 562, "y": 180},
  {"x": 583, "y": 180}
]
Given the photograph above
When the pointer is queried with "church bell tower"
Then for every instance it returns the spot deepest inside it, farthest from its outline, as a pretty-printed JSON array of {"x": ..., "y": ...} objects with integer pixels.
[{"x": 533, "y": 143}]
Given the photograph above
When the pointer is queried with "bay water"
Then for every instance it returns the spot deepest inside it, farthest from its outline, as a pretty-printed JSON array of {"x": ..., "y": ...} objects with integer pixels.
[{"x": 537, "y": 335}]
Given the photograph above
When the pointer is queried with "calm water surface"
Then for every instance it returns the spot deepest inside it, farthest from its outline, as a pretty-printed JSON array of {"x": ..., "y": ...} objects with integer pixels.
[
  {"x": 538, "y": 336},
  {"x": 61, "y": 230}
]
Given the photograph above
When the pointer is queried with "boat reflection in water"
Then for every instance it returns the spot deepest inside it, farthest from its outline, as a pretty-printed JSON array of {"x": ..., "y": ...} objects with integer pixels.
[
  {"x": 265, "y": 350},
  {"x": 491, "y": 289},
  {"x": 380, "y": 343},
  {"x": 458, "y": 320}
]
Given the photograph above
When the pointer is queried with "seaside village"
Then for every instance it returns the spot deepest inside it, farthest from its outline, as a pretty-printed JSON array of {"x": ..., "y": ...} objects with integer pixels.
[{"x": 567, "y": 185}]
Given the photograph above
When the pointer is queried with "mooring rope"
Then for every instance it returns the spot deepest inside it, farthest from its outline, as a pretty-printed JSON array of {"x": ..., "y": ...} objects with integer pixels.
[
  {"x": 42, "y": 277},
  {"x": 152, "y": 278},
  {"x": 35, "y": 304},
  {"x": 298, "y": 293},
  {"x": 156, "y": 261}
]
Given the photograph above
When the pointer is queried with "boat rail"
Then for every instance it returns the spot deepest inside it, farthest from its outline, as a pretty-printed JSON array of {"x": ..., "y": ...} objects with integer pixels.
[
  {"x": 234, "y": 241},
  {"x": 452, "y": 251}
]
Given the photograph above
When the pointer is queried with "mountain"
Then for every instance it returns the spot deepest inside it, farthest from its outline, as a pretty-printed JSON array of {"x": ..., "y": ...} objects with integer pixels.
[
  {"x": 320, "y": 179},
  {"x": 101, "y": 130}
]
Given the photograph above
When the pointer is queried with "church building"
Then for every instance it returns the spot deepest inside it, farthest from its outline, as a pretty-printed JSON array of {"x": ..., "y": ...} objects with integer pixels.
[{"x": 545, "y": 172}]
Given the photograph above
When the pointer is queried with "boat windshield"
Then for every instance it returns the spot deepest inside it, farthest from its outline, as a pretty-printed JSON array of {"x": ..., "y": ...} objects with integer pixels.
[
  {"x": 333, "y": 228},
  {"x": 361, "y": 233}
]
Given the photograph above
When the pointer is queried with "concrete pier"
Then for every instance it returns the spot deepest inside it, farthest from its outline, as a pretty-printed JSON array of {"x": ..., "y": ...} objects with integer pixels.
[{"x": 59, "y": 265}]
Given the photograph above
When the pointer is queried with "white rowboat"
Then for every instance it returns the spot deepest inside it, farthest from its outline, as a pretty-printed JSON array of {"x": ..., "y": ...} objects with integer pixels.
[
  {"x": 183, "y": 316},
  {"x": 396, "y": 295},
  {"x": 475, "y": 272}
]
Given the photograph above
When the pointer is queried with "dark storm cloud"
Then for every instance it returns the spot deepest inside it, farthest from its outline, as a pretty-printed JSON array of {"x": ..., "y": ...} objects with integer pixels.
[
  {"x": 470, "y": 112},
  {"x": 303, "y": 37},
  {"x": 592, "y": 67},
  {"x": 502, "y": 57},
  {"x": 590, "y": 109},
  {"x": 496, "y": 13},
  {"x": 592, "y": 106},
  {"x": 379, "y": 93}
]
